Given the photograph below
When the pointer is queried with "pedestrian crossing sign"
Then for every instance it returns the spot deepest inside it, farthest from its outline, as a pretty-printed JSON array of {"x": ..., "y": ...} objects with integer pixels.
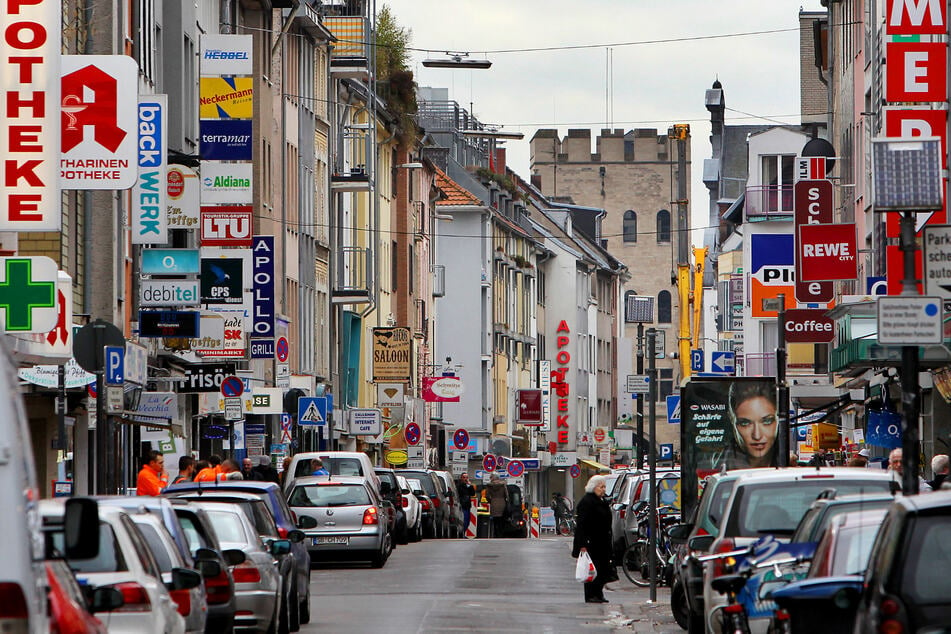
[{"x": 312, "y": 410}]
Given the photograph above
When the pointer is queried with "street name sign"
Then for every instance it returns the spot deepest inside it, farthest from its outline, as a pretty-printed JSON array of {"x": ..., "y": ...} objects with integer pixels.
[
  {"x": 638, "y": 384},
  {"x": 910, "y": 320}
]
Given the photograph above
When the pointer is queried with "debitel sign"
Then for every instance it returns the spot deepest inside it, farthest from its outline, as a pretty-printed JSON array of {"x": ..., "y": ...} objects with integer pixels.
[{"x": 171, "y": 293}]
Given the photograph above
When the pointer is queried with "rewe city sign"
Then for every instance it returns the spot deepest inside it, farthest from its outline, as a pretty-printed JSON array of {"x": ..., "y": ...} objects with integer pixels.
[{"x": 827, "y": 252}]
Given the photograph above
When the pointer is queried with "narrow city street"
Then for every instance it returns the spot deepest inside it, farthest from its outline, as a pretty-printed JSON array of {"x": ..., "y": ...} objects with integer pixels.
[{"x": 505, "y": 585}]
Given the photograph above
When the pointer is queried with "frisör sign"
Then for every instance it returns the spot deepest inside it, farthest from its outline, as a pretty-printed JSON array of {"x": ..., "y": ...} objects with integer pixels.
[{"x": 808, "y": 326}]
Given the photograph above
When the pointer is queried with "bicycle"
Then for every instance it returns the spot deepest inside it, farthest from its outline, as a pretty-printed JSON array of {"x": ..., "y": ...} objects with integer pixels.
[
  {"x": 635, "y": 562},
  {"x": 564, "y": 520}
]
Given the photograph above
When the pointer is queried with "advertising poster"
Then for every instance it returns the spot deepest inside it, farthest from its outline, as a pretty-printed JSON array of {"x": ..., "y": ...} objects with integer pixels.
[
  {"x": 225, "y": 139},
  {"x": 771, "y": 271},
  {"x": 226, "y": 97},
  {"x": 729, "y": 422}
]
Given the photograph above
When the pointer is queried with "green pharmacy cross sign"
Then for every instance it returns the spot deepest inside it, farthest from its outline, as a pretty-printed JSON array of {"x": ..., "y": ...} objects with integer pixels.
[{"x": 28, "y": 294}]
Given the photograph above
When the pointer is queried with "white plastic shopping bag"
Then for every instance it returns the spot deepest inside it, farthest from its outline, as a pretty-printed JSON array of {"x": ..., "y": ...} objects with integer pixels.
[{"x": 584, "y": 570}]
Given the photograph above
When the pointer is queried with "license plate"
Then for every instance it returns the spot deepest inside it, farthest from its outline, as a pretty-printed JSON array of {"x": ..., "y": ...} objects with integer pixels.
[{"x": 331, "y": 539}]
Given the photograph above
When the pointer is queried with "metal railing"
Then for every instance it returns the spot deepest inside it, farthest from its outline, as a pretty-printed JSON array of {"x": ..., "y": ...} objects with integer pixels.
[
  {"x": 757, "y": 363},
  {"x": 354, "y": 270},
  {"x": 769, "y": 200}
]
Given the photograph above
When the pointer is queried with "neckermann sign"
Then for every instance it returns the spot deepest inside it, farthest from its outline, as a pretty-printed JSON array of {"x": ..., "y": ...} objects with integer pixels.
[
  {"x": 30, "y": 118},
  {"x": 99, "y": 98}
]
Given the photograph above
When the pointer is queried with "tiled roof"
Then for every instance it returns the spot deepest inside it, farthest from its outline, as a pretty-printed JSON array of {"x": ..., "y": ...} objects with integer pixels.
[{"x": 454, "y": 194}]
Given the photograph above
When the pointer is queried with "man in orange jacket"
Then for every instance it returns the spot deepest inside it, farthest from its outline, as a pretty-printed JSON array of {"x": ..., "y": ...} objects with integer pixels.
[
  {"x": 211, "y": 473},
  {"x": 153, "y": 477}
]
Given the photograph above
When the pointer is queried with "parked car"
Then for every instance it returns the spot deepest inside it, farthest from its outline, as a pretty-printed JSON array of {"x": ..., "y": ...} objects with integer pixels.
[
  {"x": 342, "y": 518},
  {"x": 338, "y": 463},
  {"x": 906, "y": 585},
  {"x": 456, "y": 529},
  {"x": 435, "y": 489},
  {"x": 257, "y": 580},
  {"x": 412, "y": 510},
  {"x": 125, "y": 562},
  {"x": 213, "y": 561},
  {"x": 826, "y": 599},
  {"x": 829, "y": 505},
  {"x": 298, "y": 592},
  {"x": 772, "y": 502},
  {"x": 426, "y": 509},
  {"x": 393, "y": 499},
  {"x": 71, "y": 612},
  {"x": 191, "y": 602}
]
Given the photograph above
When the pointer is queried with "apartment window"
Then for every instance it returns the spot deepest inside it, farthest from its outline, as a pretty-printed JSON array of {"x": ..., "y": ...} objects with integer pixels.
[
  {"x": 663, "y": 307},
  {"x": 394, "y": 271},
  {"x": 777, "y": 177},
  {"x": 630, "y": 226},
  {"x": 663, "y": 226}
]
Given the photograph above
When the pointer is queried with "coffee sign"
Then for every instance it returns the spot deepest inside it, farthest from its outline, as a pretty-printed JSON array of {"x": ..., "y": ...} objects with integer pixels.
[{"x": 805, "y": 325}]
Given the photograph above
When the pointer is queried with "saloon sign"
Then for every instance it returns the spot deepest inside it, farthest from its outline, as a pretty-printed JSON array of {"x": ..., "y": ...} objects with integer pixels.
[
  {"x": 29, "y": 120},
  {"x": 392, "y": 354}
]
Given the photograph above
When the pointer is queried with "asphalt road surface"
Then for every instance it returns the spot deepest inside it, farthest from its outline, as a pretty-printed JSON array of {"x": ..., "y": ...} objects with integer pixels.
[{"x": 499, "y": 585}]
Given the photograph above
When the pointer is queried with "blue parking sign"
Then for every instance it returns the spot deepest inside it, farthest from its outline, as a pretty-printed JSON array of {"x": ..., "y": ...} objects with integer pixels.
[
  {"x": 696, "y": 360},
  {"x": 666, "y": 452},
  {"x": 115, "y": 365}
]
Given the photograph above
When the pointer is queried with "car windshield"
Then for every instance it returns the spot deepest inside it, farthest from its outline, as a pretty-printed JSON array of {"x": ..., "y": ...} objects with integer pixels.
[
  {"x": 713, "y": 504},
  {"x": 109, "y": 559},
  {"x": 156, "y": 545},
  {"x": 816, "y": 519},
  {"x": 329, "y": 495},
  {"x": 764, "y": 507},
  {"x": 429, "y": 487},
  {"x": 228, "y": 526},
  {"x": 924, "y": 578},
  {"x": 854, "y": 549},
  {"x": 415, "y": 486}
]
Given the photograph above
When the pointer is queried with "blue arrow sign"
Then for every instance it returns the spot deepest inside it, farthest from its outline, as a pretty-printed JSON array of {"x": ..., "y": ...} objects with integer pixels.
[
  {"x": 115, "y": 365},
  {"x": 673, "y": 409},
  {"x": 696, "y": 360},
  {"x": 312, "y": 410},
  {"x": 723, "y": 362}
]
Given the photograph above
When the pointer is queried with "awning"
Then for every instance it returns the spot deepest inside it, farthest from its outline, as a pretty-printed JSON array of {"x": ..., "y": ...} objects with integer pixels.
[{"x": 594, "y": 464}]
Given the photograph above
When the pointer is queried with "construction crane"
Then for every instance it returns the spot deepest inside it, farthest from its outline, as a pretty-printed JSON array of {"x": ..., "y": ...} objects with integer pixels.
[{"x": 689, "y": 291}]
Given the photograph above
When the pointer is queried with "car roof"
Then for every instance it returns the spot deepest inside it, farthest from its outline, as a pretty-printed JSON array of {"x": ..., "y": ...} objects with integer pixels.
[
  {"x": 222, "y": 493},
  {"x": 852, "y": 498},
  {"x": 329, "y": 480},
  {"x": 785, "y": 474},
  {"x": 226, "y": 485},
  {"x": 925, "y": 502}
]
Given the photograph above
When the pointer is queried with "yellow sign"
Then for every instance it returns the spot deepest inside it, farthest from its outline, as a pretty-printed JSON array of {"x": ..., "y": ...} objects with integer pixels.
[
  {"x": 825, "y": 436},
  {"x": 396, "y": 457},
  {"x": 392, "y": 355},
  {"x": 226, "y": 98}
]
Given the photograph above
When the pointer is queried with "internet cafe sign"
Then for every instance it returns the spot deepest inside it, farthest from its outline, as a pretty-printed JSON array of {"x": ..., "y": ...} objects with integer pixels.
[{"x": 392, "y": 354}]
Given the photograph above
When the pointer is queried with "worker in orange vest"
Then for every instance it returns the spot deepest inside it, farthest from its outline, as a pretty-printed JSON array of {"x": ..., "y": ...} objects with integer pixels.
[
  {"x": 153, "y": 477},
  {"x": 212, "y": 472}
]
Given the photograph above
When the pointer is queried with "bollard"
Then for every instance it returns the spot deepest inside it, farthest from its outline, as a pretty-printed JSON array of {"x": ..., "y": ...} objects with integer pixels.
[{"x": 473, "y": 521}]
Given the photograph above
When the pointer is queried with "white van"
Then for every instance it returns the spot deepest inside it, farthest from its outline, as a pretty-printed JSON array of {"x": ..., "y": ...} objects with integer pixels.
[
  {"x": 22, "y": 551},
  {"x": 342, "y": 463}
]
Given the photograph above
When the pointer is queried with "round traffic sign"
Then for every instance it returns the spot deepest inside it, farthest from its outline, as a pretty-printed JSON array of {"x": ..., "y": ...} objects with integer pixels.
[
  {"x": 281, "y": 349},
  {"x": 488, "y": 463},
  {"x": 412, "y": 433},
  {"x": 461, "y": 439},
  {"x": 599, "y": 435},
  {"x": 516, "y": 468},
  {"x": 574, "y": 470},
  {"x": 232, "y": 386}
]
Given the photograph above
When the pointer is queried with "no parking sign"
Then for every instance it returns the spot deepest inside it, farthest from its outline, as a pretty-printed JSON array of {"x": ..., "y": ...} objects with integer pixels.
[
  {"x": 516, "y": 468},
  {"x": 489, "y": 462},
  {"x": 574, "y": 471}
]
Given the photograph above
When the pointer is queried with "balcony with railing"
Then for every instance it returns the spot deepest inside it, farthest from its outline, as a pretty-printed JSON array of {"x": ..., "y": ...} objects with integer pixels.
[
  {"x": 439, "y": 280},
  {"x": 756, "y": 364},
  {"x": 353, "y": 282},
  {"x": 349, "y": 58},
  {"x": 350, "y": 170},
  {"x": 769, "y": 202}
]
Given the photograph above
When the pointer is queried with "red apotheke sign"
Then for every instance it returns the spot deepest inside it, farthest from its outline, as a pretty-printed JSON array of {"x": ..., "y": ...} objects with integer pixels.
[
  {"x": 827, "y": 253},
  {"x": 805, "y": 325}
]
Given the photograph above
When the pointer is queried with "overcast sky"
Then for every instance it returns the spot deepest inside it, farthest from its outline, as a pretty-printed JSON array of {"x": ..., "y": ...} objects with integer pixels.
[{"x": 654, "y": 83}]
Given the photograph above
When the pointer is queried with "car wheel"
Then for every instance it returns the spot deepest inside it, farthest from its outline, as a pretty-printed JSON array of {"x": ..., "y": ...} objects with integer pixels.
[
  {"x": 379, "y": 559},
  {"x": 304, "y": 611},
  {"x": 417, "y": 533},
  {"x": 293, "y": 608},
  {"x": 284, "y": 618},
  {"x": 678, "y": 604}
]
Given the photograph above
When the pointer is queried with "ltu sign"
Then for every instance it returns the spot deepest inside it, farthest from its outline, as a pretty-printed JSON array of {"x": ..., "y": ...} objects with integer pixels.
[
  {"x": 226, "y": 226},
  {"x": 98, "y": 118}
]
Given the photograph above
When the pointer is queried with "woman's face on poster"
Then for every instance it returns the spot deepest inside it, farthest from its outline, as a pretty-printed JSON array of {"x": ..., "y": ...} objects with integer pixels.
[{"x": 756, "y": 425}]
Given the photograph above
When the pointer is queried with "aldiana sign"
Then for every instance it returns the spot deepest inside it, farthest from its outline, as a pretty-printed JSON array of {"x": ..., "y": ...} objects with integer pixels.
[{"x": 30, "y": 116}]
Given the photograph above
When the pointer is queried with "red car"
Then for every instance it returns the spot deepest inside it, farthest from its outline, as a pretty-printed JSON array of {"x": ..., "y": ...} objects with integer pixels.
[{"x": 69, "y": 613}]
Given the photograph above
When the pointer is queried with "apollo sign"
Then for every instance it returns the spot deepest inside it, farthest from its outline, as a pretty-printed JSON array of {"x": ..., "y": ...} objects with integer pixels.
[
  {"x": 808, "y": 326},
  {"x": 30, "y": 116}
]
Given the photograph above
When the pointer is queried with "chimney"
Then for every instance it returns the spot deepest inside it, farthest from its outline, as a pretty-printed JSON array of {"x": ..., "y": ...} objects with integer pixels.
[{"x": 500, "y": 161}]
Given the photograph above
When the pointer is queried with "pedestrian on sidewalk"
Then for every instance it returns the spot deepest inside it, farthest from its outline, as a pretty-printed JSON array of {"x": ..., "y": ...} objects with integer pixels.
[
  {"x": 593, "y": 535},
  {"x": 465, "y": 492},
  {"x": 498, "y": 496},
  {"x": 186, "y": 470},
  {"x": 153, "y": 477}
]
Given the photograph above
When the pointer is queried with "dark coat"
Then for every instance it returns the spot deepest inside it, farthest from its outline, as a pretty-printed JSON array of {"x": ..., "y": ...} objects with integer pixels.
[
  {"x": 593, "y": 530},
  {"x": 497, "y": 494}
]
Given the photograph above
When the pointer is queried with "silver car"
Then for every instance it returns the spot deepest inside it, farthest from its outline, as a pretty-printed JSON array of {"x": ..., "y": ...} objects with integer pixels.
[
  {"x": 342, "y": 518},
  {"x": 257, "y": 581}
]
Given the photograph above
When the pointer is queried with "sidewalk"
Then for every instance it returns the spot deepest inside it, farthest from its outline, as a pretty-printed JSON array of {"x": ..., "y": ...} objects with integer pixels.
[{"x": 631, "y": 610}]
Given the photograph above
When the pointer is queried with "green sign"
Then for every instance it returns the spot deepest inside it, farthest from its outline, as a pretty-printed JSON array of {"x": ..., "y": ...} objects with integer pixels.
[{"x": 28, "y": 294}]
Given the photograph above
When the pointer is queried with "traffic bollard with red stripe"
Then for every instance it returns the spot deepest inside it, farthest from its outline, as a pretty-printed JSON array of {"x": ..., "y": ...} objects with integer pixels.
[{"x": 473, "y": 521}]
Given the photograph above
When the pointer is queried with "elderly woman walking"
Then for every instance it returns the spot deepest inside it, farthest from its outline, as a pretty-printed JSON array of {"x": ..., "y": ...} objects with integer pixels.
[
  {"x": 497, "y": 495},
  {"x": 593, "y": 534}
]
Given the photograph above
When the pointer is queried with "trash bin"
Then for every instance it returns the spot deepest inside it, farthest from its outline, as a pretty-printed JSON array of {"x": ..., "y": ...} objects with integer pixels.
[{"x": 483, "y": 525}]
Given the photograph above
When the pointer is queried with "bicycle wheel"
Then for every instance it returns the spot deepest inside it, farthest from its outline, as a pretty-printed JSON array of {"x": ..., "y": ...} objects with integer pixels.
[
  {"x": 564, "y": 528},
  {"x": 633, "y": 562}
]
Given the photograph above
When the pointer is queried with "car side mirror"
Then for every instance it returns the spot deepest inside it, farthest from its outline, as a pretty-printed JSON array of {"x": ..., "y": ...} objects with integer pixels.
[
  {"x": 234, "y": 557},
  {"x": 105, "y": 600},
  {"x": 278, "y": 547},
  {"x": 185, "y": 579},
  {"x": 205, "y": 553},
  {"x": 679, "y": 533},
  {"x": 81, "y": 529},
  {"x": 295, "y": 536},
  {"x": 701, "y": 542},
  {"x": 306, "y": 521},
  {"x": 209, "y": 568},
  {"x": 619, "y": 506}
]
